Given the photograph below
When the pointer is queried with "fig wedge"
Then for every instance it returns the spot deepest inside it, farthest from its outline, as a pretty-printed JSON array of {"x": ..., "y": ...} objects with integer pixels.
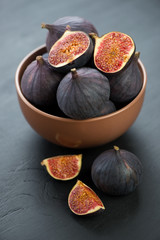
[
  {"x": 82, "y": 200},
  {"x": 63, "y": 167}
]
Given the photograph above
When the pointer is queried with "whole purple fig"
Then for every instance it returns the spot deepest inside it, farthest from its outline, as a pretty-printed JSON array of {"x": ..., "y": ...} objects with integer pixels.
[
  {"x": 84, "y": 93},
  {"x": 116, "y": 171},
  {"x": 39, "y": 83}
]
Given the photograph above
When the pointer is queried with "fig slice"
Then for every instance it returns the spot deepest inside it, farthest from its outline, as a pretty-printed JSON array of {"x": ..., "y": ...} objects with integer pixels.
[
  {"x": 112, "y": 51},
  {"x": 82, "y": 200},
  {"x": 63, "y": 167},
  {"x": 73, "y": 49}
]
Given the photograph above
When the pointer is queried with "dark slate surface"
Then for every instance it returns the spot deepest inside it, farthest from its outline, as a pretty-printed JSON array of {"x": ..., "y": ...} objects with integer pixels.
[{"x": 33, "y": 206}]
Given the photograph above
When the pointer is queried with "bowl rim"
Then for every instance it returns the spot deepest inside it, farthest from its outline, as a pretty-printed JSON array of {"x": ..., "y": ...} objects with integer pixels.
[{"x": 110, "y": 115}]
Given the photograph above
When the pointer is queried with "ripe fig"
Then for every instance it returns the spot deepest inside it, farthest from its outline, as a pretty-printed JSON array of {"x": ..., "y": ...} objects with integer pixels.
[
  {"x": 64, "y": 167},
  {"x": 83, "y": 200},
  {"x": 126, "y": 85},
  {"x": 116, "y": 171},
  {"x": 72, "y": 50},
  {"x": 39, "y": 83},
  {"x": 56, "y": 30},
  {"x": 108, "y": 108},
  {"x": 84, "y": 93},
  {"x": 112, "y": 51}
]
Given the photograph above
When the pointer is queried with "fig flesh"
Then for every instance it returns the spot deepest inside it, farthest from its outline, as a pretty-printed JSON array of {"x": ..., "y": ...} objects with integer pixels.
[
  {"x": 127, "y": 84},
  {"x": 116, "y": 171},
  {"x": 84, "y": 93},
  {"x": 56, "y": 30},
  {"x": 83, "y": 200},
  {"x": 39, "y": 83},
  {"x": 112, "y": 51},
  {"x": 64, "y": 167},
  {"x": 73, "y": 49}
]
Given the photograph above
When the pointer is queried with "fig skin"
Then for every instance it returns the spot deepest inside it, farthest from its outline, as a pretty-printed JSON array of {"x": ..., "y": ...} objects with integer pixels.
[
  {"x": 82, "y": 200},
  {"x": 39, "y": 83},
  {"x": 126, "y": 85},
  {"x": 116, "y": 172},
  {"x": 108, "y": 108},
  {"x": 74, "y": 60},
  {"x": 83, "y": 93},
  {"x": 64, "y": 167},
  {"x": 56, "y": 30}
]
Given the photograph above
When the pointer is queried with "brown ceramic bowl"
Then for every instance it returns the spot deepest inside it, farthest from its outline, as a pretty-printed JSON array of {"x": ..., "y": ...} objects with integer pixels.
[{"x": 78, "y": 133}]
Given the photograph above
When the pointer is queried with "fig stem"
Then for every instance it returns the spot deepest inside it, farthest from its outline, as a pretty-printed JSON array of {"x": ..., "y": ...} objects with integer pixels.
[
  {"x": 117, "y": 152},
  {"x": 43, "y": 25},
  {"x": 47, "y": 26},
  {"x": 68, "y": 28},
  {"x": 120, "y": 157},
  {"x": 74, "y": 73},
  {"x": 116, "y": 148},
  {"x": 93, "y": 35},
  {"x": 137, "y": 54},
  {"x": 40, "y": 59}
]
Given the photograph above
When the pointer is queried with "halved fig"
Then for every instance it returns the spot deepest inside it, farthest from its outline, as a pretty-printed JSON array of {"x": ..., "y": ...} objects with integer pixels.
[
  {"x": 83, "y": 200},
  {"x": 64, "y": 167},
  {"x": 72, "y": 50},
  {"x": 112, "y": 51}
]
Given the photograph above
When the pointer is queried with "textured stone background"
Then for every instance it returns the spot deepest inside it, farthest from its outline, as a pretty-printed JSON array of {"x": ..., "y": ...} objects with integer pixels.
[{"x": 32, "y": 204}]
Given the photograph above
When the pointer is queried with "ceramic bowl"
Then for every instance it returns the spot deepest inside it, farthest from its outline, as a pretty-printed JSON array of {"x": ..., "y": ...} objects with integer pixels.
[{"x": 78, "y": 133}]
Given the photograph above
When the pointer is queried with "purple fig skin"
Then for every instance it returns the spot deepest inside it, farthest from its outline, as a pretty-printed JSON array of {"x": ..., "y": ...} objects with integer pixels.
[
  {"x": 83, "y": 93},
  {"x": 117, "y": 172},
  {"x": 56, "y": 30},
  {"x": 126, "y": 84},
  {"x": 108, "y": 108},
  {"x": 39, "y": 83}
]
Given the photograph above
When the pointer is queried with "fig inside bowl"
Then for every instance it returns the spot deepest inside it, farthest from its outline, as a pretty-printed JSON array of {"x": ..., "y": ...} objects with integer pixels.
[{"x": 78, "y": 133}]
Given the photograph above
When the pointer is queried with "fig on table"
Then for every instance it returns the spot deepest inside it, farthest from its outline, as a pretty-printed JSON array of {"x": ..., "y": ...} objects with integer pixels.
[{"x": 65, "y": 167}]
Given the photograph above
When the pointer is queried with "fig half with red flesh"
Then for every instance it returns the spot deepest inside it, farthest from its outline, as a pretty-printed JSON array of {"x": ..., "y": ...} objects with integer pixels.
[
  {"x": 64, "y": 167},
  {"x": 72, "y": 50},
  {"x": 83, "y": 200},
  {"x": 112, "y": 51}
]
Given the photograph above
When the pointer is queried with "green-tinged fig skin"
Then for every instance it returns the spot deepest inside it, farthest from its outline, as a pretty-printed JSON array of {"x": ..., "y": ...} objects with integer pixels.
[
  {"x": 83, "y": 94},
  {"x": 57, "y": 29},
  {"x": 126, "y": 85},
  {"x": 116, "y": 172},
  {"x": 39, "y": 84},
  {"x": 78, "y": 62}
]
